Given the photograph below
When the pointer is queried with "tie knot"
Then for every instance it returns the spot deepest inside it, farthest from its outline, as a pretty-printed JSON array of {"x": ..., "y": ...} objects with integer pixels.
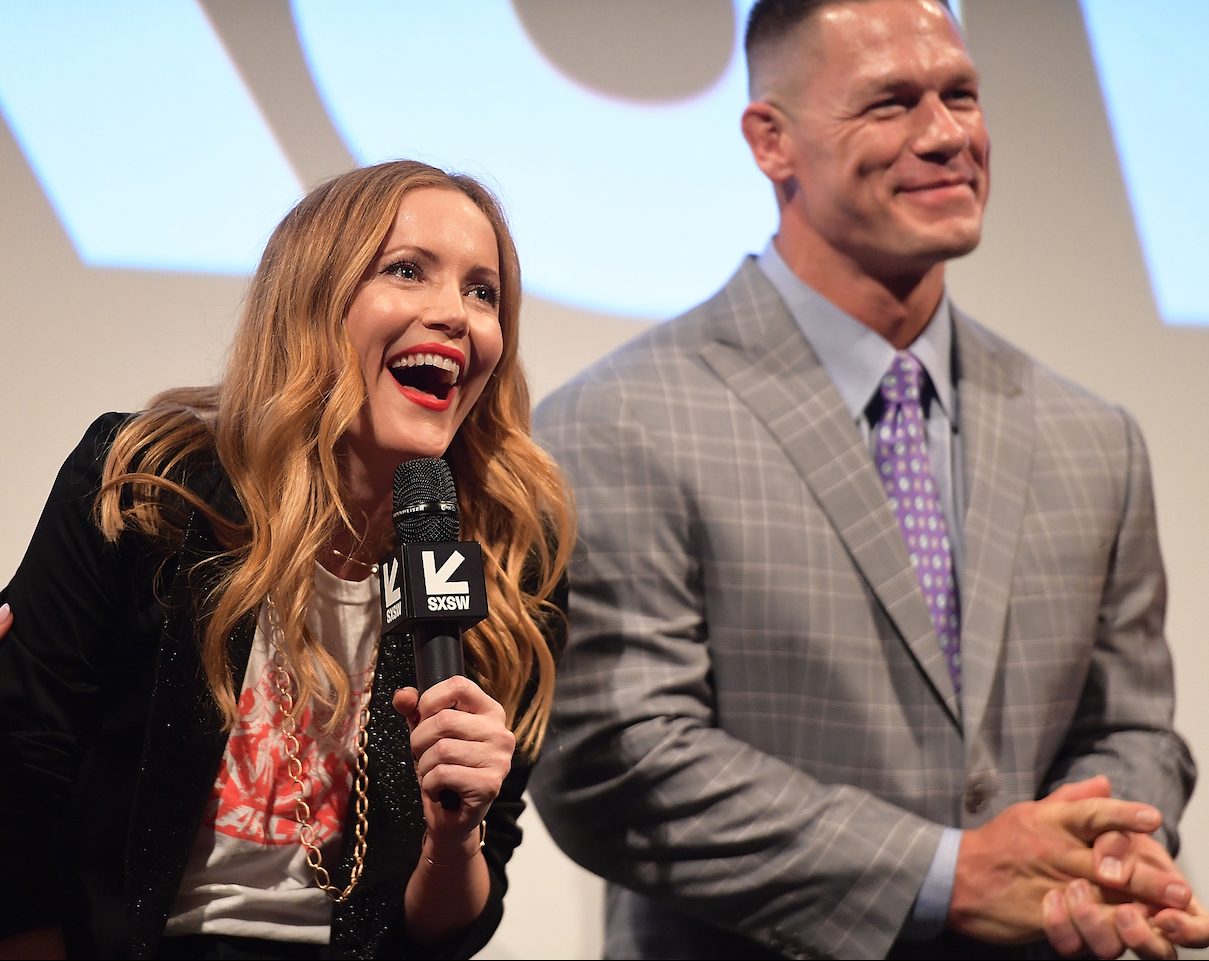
[{"x": 902, "y": 382}]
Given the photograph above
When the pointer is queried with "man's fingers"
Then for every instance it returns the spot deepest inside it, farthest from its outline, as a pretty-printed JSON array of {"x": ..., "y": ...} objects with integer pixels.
[
  {"x": 1059, "y": 929},
  {"x": 1092, "y": 787},
  {"x": 1138, "y": 866},
  {"x": 1090, "y": 818},
  {"x": 1113, "y": 844},
  {"x": 1139, "y": 936},
  {"x": 1093, "y": 920},
  {"x": 1145, "y": 882},
  {"x": 1188, "y": 928}
]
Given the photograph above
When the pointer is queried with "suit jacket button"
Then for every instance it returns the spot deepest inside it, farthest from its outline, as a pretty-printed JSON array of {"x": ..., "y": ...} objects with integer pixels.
[{"x": 978, "y": 795}]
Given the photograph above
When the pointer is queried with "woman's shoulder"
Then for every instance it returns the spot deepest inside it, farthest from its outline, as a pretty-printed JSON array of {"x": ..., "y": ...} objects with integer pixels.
[
  {"x": 121, "y": 451},
  {"x": 81, "y": 471}
]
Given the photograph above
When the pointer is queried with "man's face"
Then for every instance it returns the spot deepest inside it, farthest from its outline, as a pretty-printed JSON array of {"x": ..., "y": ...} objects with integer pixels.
[{"x": 887, "y": 141}]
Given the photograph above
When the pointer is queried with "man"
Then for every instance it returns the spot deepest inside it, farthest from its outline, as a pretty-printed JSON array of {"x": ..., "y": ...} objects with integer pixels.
[{"x": 867, "y": 610}]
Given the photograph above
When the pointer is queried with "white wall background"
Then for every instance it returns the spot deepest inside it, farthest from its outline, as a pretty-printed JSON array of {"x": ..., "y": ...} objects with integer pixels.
[{"x": 1060, "y": 272}]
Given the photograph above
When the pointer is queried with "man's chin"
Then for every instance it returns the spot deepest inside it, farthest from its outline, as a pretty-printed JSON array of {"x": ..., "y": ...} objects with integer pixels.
[
  {"x": 911, "y": 261},
  {"x": 950, "y": 241}
]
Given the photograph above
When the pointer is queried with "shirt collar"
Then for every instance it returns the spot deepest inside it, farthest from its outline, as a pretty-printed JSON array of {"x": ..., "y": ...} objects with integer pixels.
[{"x": 854, "y": 356}]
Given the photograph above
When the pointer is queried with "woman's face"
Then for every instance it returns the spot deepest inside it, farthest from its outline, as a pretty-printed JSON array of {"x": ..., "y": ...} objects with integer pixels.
[{"x": 425, "y": 325}]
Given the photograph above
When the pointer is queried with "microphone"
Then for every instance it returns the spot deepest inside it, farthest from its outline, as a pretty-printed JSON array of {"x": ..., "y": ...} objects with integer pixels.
[
  {"x": 426, "y": 512},
  {"x": 432, "y": 583}
]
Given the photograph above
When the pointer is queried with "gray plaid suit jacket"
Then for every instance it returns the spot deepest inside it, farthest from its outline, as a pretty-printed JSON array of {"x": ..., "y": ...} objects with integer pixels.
[{"x": 755, "y": 739}]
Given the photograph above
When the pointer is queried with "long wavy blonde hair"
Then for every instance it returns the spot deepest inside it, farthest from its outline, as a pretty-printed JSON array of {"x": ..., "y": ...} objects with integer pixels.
[{"x": 291, "y": 388}]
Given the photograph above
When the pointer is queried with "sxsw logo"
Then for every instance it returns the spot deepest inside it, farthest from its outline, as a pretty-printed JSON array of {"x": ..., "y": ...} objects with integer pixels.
[
  {"x": 441, "y": 581},
  {"x": 444, "y": 594},
  {"x": 445, "y": 581},
  {"x": 392, "y": 596}
]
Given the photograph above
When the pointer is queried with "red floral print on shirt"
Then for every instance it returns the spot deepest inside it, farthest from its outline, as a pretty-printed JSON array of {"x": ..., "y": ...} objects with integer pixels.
[{"x": 253, "y": 796}]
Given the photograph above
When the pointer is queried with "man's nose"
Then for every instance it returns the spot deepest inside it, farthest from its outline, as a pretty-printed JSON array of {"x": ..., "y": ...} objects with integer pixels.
[{"x": 940, "y": 131}]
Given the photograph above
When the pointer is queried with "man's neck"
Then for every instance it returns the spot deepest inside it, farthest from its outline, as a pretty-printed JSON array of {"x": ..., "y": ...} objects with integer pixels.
[{"x": 897, "y": 309}]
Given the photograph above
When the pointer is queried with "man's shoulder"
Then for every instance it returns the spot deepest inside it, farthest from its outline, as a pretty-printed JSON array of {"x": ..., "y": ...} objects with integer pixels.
[{"x": 1056, "y": 397}]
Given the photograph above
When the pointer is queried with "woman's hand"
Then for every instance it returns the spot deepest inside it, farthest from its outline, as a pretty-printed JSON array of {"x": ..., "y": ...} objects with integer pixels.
[
  {"x": 462, "y": 745},
  {"x": 6, "y": 619},
  {"x": 463, "y": 749}
]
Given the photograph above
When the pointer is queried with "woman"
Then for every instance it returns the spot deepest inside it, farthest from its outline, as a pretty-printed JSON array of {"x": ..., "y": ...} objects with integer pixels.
[{"x": 202, "y": 755}]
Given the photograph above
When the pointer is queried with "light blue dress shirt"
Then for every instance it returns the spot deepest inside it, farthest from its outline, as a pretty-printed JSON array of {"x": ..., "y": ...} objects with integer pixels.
[{"x": 856, "y": 358}]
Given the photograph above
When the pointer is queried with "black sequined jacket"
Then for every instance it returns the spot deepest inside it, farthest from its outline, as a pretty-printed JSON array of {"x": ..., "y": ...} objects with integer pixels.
[{"x": 110, "y": 741}]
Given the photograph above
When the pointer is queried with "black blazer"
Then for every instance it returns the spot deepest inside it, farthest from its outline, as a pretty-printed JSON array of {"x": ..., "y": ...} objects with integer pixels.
[{"x": 110, "y": 741}]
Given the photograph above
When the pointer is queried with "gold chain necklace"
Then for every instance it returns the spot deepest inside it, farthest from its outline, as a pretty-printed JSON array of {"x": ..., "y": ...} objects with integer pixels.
[
  {"x": 302, "y": 810},
  {"x": 372, "y": 568}
]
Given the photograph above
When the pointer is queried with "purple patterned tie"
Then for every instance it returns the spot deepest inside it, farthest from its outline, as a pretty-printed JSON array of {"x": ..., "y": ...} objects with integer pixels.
[{"x": 901, "y": 455}]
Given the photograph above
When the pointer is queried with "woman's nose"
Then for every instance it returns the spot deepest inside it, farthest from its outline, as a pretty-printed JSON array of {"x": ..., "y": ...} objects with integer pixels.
[{"x": 446, "y": 310}]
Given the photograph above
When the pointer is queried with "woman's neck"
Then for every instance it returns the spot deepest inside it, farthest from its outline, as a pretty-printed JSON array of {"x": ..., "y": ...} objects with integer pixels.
[{"x": 353, "y": 554}]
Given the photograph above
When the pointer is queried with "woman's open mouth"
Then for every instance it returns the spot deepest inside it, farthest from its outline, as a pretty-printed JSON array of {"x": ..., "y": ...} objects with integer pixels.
[{"x": 428, "y": 377}]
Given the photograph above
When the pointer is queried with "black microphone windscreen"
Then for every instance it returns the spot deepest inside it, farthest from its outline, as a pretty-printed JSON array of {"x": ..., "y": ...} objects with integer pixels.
[{"x": 425, "y": 502}]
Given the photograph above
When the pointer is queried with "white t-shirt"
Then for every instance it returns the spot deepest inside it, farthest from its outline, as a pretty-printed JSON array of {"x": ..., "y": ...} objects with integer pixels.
[{"x": 247, "y": 873}]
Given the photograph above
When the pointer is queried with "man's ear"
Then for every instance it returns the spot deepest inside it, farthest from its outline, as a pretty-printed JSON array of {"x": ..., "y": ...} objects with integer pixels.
[{"x": 764, "y": 131}]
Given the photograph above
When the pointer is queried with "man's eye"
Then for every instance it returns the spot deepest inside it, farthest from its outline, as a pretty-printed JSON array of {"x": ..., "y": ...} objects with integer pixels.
[{"x": 888, "y": 107}]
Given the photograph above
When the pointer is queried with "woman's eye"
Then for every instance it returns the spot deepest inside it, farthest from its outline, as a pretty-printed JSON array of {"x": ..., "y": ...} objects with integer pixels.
[
  {"x": 486, "y": 293},
  {"x": 403, "y": 270}
]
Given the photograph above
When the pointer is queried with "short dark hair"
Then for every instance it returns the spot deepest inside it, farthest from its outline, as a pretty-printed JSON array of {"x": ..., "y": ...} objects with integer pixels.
[{"x": 770, "y": 20}]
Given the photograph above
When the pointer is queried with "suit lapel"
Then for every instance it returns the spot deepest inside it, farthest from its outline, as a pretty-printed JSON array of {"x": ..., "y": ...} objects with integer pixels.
[
  {"x": 768, "y": 364},
  {"x": 996, "y": 422}
]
